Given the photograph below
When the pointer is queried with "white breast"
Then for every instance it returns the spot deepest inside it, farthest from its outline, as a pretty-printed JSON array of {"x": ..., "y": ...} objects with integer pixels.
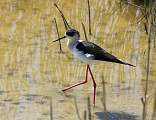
[{"x": 80, "y": 55}]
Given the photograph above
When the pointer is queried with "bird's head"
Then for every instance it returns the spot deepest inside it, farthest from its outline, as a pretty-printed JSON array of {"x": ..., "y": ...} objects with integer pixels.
[{"x": 71, "y": 34}]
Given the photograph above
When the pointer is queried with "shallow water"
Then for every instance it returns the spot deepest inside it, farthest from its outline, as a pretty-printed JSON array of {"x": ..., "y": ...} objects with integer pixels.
[{"x": 32, "y": 75}]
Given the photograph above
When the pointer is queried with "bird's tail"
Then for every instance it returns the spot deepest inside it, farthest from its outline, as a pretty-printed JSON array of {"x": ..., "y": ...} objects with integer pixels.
[
  {"x": 129, "y": 64},
  {"x": 125, "y": 63}
]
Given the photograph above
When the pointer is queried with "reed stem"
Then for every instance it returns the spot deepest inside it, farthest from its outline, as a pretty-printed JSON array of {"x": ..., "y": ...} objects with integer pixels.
[
  {"x": 89, "y": 109},
  {"x": 84, "y": 30},
  {"x": 77, "y": 110},
  {"x": 58, "y": 35},
  {"x": 85, "y": 115},
  {"x": 63, "y": 17},
  {"x": 89, "y": 17},
  {"x": 104, "y": 95},
  {"x": 51, "y": 109},
  {"x": 144, "y": 101}
]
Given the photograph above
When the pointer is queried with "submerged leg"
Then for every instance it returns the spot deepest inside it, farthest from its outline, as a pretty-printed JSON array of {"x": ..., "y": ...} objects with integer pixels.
[
  {"x": 94, "y": 84},
  {"x": 83, "y": 82}
]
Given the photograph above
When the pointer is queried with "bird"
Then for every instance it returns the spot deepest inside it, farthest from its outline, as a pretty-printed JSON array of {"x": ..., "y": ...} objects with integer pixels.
[{"x": 87, "y": 52}]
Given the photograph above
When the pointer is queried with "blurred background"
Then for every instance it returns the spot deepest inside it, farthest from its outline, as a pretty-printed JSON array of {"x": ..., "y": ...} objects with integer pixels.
[{"x": 32, "y": 74}]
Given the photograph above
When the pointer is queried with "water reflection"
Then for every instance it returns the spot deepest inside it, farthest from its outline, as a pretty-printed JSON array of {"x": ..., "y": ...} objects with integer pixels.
[{"x": 115, "y": 116}]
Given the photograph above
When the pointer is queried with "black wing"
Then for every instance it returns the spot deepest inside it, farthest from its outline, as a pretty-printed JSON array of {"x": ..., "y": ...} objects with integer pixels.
[{"x": 98, "y": 52}]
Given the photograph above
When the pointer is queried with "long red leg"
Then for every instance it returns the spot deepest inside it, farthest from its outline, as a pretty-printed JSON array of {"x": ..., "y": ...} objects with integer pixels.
[
  {"x": 83, "y": 82},
  {"x": 94, "y": 84}
]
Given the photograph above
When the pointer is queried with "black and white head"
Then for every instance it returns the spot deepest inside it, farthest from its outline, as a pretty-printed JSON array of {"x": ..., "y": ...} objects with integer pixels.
[{"x": 71, "y": 34}]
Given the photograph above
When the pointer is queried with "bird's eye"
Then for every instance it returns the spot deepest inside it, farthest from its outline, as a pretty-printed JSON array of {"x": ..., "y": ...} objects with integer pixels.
[{"x": 69, "y": 33}]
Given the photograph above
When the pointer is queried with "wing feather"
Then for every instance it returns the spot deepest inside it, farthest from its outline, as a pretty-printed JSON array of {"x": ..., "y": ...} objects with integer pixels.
[{"x": 98, "y": 52}]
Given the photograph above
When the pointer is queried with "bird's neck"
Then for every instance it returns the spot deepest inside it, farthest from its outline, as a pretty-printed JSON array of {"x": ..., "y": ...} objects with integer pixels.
[{"x": 71, "y": 42}]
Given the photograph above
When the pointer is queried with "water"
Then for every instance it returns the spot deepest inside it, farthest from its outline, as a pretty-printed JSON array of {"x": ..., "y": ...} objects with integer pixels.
[{"x": 31, "y": 74}]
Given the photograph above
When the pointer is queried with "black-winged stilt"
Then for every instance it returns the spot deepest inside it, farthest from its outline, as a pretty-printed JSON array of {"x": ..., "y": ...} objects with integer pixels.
[{"x": 87, "y": 52}]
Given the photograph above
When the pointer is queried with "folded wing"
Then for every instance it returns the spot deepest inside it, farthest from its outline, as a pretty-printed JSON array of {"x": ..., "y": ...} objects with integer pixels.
[{"x": 99, "y": 53}]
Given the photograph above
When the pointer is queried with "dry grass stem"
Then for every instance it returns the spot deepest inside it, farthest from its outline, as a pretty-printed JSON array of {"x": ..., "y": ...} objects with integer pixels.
[
  {"x": 89, "y": 109},
  {"x": 58, "y": 35},
  {"x": 77, "y": 110},
  {"x": 51, "y": 109},
  {"x": 84, "y": 30},
  {"x": 144, "y": 101},
  {"x": 89, "y": 17},
  {"x": 63, "y": 17}
]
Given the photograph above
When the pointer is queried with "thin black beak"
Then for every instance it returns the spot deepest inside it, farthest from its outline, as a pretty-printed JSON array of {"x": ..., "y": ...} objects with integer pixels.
[{"x": 60, "y": 38}]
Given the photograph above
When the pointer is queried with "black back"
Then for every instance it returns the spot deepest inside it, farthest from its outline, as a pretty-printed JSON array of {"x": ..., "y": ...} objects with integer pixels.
[{"x": 98, "y": 52}]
